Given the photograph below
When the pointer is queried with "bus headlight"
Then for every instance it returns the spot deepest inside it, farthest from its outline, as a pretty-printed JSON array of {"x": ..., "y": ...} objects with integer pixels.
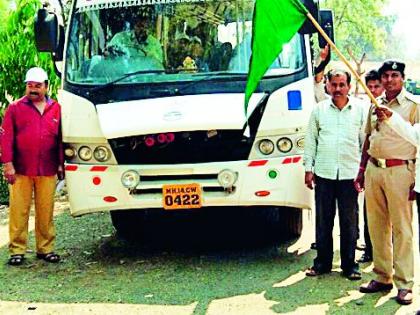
[
  {"x": 300, "y": 143},
  {"x": 101, "y": 154},
  {"x": 130, "y": 179},
  {"x": 227, "y": 178},
  {"x": 85, "y": 153},
  {"x": 266, "y": 146},
  {"x": 284, "y": 145}
]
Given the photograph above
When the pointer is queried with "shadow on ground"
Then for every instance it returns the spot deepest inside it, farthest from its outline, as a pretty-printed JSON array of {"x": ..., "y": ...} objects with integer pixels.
[{"x": 177, "y": 262}]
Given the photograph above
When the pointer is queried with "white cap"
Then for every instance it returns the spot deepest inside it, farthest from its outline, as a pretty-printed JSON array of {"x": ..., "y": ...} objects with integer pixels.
[{"x": 36, "y": 74}]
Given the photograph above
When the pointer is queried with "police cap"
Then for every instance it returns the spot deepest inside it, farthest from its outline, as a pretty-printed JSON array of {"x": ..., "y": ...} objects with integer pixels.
[{"x": 392, "y": 65}]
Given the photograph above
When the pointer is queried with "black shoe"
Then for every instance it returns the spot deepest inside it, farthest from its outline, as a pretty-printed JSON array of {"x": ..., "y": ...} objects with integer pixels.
[
  {"x": 375, "y": 286},
  {"x": 365, "y": 259},
  {"x": 16, "y": 260}
]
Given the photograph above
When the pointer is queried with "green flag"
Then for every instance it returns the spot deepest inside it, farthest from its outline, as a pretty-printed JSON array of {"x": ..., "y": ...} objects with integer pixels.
[{"x": 275, "y": 22}]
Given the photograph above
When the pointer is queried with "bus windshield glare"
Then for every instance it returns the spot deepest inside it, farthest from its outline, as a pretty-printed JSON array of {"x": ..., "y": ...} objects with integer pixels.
[{"x": 165, "y": 41}]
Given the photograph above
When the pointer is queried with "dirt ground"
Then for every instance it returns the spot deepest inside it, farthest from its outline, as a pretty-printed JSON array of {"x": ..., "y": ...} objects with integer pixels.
[{"x": 243, "y": 304}]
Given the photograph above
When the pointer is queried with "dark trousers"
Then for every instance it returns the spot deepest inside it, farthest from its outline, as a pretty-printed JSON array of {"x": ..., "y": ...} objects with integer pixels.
[
  {"x": 328, "y": 194},
  {"x": 368, "y": 243}
]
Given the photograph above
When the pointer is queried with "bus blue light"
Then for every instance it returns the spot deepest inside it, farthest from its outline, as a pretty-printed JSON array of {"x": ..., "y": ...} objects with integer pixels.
[{"x": 294, "y": 99}]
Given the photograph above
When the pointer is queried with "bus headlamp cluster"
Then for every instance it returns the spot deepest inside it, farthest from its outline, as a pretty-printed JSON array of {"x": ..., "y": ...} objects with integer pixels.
[
  {"x": 284, "y": 145},
  {"x": 100, "y": 153},
  {"x": 266, "y": 146},
  {"x": 69, "y": 152},
  {"x": 85, "y": 153},
  {"x": 130, "y": 179},
  {"x": 300, "y": 143}
]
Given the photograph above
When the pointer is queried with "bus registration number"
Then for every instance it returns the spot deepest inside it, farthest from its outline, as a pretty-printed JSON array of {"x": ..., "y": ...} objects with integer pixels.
[{"x": 181, "y": 196}]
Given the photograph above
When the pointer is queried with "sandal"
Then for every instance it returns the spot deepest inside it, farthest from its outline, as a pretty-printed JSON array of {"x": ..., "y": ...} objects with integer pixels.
[
  {"x": 355, "y": 275},
  {"x": 313, "y": 272},
  {"x": 16, "y": 260},
  {"x": 50, "y": 257}
]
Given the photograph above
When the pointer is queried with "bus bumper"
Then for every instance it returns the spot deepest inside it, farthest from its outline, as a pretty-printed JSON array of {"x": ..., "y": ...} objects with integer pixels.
[{"x": 271, "y": 182}]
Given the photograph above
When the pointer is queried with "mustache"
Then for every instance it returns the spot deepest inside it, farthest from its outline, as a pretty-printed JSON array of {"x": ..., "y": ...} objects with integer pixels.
[{"x": 34, "y": 93}]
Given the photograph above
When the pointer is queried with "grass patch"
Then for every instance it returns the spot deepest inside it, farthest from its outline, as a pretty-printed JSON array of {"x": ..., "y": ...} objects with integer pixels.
[{"x": 97, "y": 267}]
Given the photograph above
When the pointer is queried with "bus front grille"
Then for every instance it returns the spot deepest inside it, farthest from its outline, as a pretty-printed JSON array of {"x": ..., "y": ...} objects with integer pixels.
[{"x": 185, "y": 148}]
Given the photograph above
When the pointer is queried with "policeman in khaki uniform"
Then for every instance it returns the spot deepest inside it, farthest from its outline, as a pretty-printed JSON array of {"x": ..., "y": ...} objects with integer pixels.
[{"x": 387, "y": 170}]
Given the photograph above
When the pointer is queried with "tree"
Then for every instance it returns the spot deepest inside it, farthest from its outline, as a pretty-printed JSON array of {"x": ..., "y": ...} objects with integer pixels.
[
  {"x": 5, "y": 7},
  {"x": 360, "y": 25}
]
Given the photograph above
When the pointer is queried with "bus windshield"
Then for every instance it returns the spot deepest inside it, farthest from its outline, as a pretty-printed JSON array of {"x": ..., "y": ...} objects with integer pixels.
[{"x": 165, "y": 41}]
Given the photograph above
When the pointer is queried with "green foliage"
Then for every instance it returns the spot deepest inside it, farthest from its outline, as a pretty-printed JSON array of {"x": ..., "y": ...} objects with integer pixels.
[
  {"x": 360, "y": 25},
  {"x": 4, "y": 190},
  {"x": 4, "y": 11},
  {"x": 17, "y": 54}
]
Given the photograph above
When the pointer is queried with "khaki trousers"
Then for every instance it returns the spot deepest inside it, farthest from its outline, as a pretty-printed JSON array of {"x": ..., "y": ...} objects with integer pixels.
[
  {"x": 43, "y": 188},
  {"x": 390, "y": 217}
]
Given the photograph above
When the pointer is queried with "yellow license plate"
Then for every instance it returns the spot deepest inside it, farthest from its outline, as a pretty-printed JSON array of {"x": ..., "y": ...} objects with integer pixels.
[{"x": 181, "y": 196}]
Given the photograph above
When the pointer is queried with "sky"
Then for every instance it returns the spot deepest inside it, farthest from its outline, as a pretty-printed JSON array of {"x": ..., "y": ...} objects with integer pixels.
[{"x": 407, "y": 24}]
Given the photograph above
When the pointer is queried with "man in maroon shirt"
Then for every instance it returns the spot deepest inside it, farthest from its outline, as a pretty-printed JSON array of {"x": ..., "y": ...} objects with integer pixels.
[{"x": 32, "y": 156}]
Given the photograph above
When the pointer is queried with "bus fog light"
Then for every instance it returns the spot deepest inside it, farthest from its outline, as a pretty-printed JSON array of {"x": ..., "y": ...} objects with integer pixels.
[
  {"x": 284, "y": 145},
  {"x": 101, "y": 154},
  {"x": 266, "y": 146},
  {"x": 227, "y": 178},
  {"x": 130, "y": 179},
  {"x": 85, "y": 153}
]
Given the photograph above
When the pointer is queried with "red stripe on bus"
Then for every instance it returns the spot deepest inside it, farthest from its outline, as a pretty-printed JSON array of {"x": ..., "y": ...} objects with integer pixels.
[
  {"x": 297, "y": 159},
  {"x": 98, "y": 168},
  {"x": 287, "y": 161},
  {"x": 71, "y": 167},
  {"x": 257, "y": 163}
]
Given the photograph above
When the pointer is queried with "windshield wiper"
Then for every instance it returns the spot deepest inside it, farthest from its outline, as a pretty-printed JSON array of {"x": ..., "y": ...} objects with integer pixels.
[
  {"x": 219, "y": 73},
  {"x": 123, "y": 77}
]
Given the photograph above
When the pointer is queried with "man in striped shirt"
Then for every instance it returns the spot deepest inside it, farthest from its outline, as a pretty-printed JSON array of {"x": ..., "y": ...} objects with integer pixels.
[{"x": 332, "y": 154}]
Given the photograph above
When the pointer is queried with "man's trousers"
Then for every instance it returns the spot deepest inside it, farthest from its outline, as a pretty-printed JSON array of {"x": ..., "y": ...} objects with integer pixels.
[
  {"x": 43, "y": 188},
  {"x": 390, "y": 218},
  {"x": 330, "y": 194}
]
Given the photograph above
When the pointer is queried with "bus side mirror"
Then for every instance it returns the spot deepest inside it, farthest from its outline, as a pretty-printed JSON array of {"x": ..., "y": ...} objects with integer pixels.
[
  {"x": 326, "y": 20},
  {"x": 312, "y": 7},
  {"x": 58, "y": 53},
  {"x": 48, "y": 33}
]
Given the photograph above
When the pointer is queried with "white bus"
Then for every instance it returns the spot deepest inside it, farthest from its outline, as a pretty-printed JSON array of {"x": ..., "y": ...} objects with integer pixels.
[{"x": 153, "y": 113}]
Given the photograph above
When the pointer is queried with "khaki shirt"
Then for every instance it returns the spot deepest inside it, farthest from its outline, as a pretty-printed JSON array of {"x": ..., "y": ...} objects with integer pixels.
[{"x": 385, "y": 143}]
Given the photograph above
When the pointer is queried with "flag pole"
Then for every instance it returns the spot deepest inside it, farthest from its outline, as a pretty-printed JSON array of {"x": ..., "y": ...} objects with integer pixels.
[{"x": 343, "y": 58}]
